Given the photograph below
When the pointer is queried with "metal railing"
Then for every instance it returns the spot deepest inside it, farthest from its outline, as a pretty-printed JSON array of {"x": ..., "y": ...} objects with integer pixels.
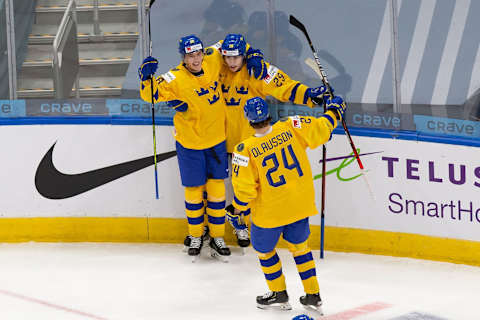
[
  {"x": 66, "y": 30},
  {"x": 11, "y": 58},
  {"x": 96, "y": 20}
]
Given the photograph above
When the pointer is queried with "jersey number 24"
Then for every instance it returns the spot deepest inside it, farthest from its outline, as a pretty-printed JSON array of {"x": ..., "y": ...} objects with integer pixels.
[{"x": 272, "y": 158}]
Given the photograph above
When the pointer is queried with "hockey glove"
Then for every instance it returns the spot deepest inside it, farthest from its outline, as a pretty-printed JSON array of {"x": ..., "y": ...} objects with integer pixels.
[
  {"x": 337, "y": 105},
  {"x": 316, "y": 94},
  {"x": 148, "y": 68},
  {"x": 234, "y": 219},
  {"x": 255, "y": 64},
  {"x": 178, "y": 105}
]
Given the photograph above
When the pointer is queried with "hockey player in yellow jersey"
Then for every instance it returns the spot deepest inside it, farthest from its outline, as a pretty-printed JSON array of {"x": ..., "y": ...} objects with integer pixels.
[
  {"x": 193, "y": 90},
  {"x": 272, "y": 177},
  {"x": 246, "y": 75}
]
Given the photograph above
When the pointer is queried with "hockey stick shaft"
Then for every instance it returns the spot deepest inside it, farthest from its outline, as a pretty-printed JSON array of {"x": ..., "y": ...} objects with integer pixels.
[
  {"x": 295, "y": 22},
  {"x": 313, "y": 65},
  {"x": 300, "y": 26},
  {"x": 322, "y": 213},
  {"x": 153, "y": 104}
]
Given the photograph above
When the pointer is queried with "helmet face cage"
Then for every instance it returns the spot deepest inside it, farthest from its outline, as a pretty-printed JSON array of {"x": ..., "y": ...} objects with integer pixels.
[
  {"x": 234, "y": 45},
  {"x": 256, "y": 110},
  {"x": 189, "y": 44}
]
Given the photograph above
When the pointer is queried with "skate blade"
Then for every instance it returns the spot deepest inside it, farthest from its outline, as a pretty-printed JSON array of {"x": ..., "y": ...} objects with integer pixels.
[
  {"x": 185, "y": 249},
  {"x": 285, "y": 306},
  {"x": 194, "y": 259},
  {"x": 317, "y": 309},
  {"x": 215, "y": 255},
  {"x": 244, "y": 251}
]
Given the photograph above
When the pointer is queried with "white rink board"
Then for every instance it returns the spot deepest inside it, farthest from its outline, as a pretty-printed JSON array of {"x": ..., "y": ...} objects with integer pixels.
[
  {"x": 349, "y": 204},
  {"x": 82, "y": 148}
]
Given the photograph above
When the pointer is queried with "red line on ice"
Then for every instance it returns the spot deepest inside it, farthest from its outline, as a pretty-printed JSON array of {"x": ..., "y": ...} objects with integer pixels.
[
  {"x": 359, "y": 311},
  {"x": 48, "y": 304}
]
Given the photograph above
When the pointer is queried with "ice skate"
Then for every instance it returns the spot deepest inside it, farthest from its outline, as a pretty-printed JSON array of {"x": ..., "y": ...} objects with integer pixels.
[
  {"x": 274, "y": 300},
  {"x": 205, "y": 238},
  {"x": 218, "y": 249},
  {"x": 312, "y": 302},
  {"x": 240, "y": 229},
  {"x": 186, "y": 243},
  {"x": 195, "y": 247},
  {"x": 243, "y": 238}
]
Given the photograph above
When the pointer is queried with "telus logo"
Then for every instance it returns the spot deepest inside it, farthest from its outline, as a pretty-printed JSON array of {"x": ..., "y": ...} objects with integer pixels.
[{"x": 458, "y": 174}]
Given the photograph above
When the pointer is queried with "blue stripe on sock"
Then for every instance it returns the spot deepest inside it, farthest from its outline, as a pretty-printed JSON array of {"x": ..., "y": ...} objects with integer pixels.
[
  {"x": 195, "y": 221},
  {"x": 273, "y": 276},
  {"x": 246, "y": 212},
  {"x": 308, "y": 274},
  {"x": 193, "y": 206},
  {"x": 216, "y": 205},
  {"x": 303, "y": 258},
  {"x": 270, "y": 261},
  {"x": 216, "y": 220}
]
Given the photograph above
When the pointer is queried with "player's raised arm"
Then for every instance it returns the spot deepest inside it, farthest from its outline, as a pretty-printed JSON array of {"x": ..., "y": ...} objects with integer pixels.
[
  {"x": 317, "y": 131},
  {"x": 161, "y": 90},
  {"x": 279, "y": 85}
]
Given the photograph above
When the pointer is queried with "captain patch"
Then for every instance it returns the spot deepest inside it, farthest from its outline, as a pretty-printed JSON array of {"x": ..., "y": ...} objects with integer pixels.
[{"x": 240, "y": 160}]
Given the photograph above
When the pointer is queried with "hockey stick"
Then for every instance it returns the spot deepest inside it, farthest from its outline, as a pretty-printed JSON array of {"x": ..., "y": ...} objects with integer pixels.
[
  {"x": 314, "y": 66},
  {"x": 323, "y": 76},
  {"x": 296, "y": 23},
  {"x": 300, "y": 26},
  {"x": 153, "y": 103}
]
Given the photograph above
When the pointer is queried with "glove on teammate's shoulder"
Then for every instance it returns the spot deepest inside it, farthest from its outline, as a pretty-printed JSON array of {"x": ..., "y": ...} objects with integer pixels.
[{"x": 256, "y": 66}]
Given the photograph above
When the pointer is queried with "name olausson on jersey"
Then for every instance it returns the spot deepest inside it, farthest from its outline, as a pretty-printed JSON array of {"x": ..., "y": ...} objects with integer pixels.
[{"x": 276, "y": 141}]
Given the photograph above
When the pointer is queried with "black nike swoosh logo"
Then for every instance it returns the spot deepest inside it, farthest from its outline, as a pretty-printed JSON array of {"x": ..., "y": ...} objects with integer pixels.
[{"x": 53, "y": 184}]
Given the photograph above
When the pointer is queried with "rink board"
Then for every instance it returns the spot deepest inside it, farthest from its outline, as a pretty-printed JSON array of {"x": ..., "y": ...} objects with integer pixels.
[{"x": 425, "y": 200}]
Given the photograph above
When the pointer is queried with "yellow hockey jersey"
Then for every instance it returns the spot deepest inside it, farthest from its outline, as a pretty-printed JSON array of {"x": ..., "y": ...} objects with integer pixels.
[
  {"x": 272, "y": 174},
  {"x": 202, "y": 125},
  {"x": 238, "y": 87}
]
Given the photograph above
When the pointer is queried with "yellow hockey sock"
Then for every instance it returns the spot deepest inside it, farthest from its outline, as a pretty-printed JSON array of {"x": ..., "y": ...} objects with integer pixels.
[
  {"x": 194, "y": 209},
  {"x": 216, "y": 207},
  {"x": 272, "y": 269},
  {"x": 306, "y": 270}
]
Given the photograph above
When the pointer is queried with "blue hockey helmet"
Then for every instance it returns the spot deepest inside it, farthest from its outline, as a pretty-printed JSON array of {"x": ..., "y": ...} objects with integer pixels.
[
  {"x": 256, "y": 110},
  {"x": 189, "y": 44},
  {"x": 234, "y": 45}
]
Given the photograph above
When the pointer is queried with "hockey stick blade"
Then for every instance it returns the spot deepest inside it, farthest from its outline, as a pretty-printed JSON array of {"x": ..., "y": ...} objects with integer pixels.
[{"x": 296, "y": 23}]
